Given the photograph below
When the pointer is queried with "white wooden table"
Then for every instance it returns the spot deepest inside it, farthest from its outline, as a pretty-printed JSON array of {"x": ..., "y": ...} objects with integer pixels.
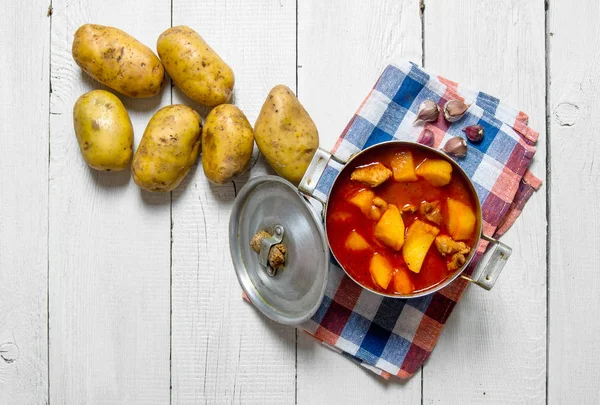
[{"x": 113, "y": 296}]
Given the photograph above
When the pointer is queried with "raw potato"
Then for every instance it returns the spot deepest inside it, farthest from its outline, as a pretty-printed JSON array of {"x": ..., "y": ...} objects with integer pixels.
[
  {"x": 168, "y": 148},
  {"x": 103, "y": 130},
  {"x": 194, "y": 66},
  {"x": 227, "y": 142},
  {"x": 285, "y": 134},
  {"x": 118, "y": 60}
]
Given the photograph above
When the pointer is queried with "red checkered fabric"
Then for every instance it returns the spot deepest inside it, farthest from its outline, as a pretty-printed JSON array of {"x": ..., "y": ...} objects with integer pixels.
[{"x": 393, "y": 336}]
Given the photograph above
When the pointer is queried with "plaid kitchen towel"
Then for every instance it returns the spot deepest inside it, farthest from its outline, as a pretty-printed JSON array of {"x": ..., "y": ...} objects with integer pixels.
[{"x": 393, "y": 336}]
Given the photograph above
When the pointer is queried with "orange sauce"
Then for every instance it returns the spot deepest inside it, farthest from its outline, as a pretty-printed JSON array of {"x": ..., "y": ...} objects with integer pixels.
[{"x": 344, "y": 217}]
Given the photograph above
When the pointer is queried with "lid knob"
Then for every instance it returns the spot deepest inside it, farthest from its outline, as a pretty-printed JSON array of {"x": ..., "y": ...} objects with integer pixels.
[{"x": 265, "y": 247}]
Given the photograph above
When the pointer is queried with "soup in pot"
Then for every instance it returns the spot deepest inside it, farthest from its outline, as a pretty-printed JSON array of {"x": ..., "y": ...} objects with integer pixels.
[{"x": 400, "y": 220}]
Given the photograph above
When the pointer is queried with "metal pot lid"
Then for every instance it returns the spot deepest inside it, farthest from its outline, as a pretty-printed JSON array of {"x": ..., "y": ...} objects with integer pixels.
[{"x": 292, "y": 294}]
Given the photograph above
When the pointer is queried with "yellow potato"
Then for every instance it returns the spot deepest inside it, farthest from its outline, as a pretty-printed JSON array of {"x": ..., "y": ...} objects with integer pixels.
[
  {"x": 403, "y": 167},
  {"x": 436, "y": 172},
  {"x": 381, "y": 271},
  {"x": 390, "y": 228},
  {"x": 363, "y": 200},
  {"x": 285, "y": 134},
  {"x": 103, "y": 130},
  {"x": 461, "y": 220},
  {"x": 194, "y": 66},
  {"x": 227, "y": 142},
  {"x": 118, "y": 60},
  {"x": 419, "y": 237},
  {"x": 168, "y": 148},
  {"x": 356, "y": 242}
]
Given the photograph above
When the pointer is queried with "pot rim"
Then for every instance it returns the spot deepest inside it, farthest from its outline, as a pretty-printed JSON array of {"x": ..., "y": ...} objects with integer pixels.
[{"x": 447, "y": 281}]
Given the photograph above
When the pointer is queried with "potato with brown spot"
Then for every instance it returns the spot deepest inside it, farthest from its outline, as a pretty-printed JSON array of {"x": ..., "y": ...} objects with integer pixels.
[
  {"x": 195, "y": 67},
  {"x": 285, "y": 134},
  {"x": 168, "y": 149},
  {"x": 227, "y": 142},
  {"x": 103, "y": 130},
  {"x": 118, "y": 60}
]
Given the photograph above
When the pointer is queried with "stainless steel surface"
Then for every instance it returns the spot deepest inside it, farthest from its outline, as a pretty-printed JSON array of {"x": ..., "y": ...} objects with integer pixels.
[
  {"x": 491, "y": 269},
  {"x": 265, "y": 248},
  {"x": 294, "y": 294}
]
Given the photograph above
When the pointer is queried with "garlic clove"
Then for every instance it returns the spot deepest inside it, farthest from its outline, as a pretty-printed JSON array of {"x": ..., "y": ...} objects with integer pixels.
[
  {"x": 455, "y": 110},
  {"x": 428, "y": 111},
  {"x": 456, "y": 147},
  {"x": 474, "y": 133},
  {"x": 426, "y": 138}
]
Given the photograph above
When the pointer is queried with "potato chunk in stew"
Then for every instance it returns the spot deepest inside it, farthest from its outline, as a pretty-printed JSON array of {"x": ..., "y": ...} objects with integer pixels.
[
  {"x": 403, "y": 167},
  {"x": 461, "y": 220},
  {"x": 419, "y": 237},
  {"x": 363, "y": 200},
  {"x": 381, "y": 271},
  {"x": 436, "y": 172},
  {"x": 390, "y": 228},
  {"x": 402, "y": 283},
  {"x": 373, "y": 207},
  {"x": 356, "y": 242}
]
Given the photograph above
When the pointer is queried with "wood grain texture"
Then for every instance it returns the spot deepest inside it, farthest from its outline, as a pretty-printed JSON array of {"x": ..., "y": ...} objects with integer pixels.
[
  {"x": 494, "y": 344},
  {"x": 24, "y": 203},
  {"x": 223, "y": 350},
  {"x": 97, "y": 252},
  {"x": 109, "y": 242},
  {"x": 342, "y": 49},
  {"x": 574, "y": 61}
]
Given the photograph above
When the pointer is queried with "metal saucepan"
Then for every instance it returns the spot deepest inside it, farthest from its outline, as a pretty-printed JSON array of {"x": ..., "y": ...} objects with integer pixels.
[{"x": 497, "y": 256}]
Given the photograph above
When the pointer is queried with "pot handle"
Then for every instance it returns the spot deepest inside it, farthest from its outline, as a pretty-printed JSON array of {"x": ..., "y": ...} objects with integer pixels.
[
  {"x": 313, "y": 173},
  {"x": 498, "y": 256}
]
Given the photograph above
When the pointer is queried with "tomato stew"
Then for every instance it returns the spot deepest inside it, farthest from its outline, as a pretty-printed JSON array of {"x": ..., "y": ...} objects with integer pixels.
[{"x": 345, "y": 219}]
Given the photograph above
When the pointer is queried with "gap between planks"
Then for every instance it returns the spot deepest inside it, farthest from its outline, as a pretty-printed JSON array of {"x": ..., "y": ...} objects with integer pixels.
[
  {"x": 49, "y": 14},
  {"x": 548, "y": 183}
]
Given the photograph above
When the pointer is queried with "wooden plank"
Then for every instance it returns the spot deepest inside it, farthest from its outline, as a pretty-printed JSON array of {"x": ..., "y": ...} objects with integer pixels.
[
  {"x": 224, "y": 351},
  {"x": 109, "y": 242},
  {"x": 24, "y": 203},
  {"x": 493, "y": 348},
  {"x": 342, "y": 49},
  {"x": 573, "y": 58}
]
